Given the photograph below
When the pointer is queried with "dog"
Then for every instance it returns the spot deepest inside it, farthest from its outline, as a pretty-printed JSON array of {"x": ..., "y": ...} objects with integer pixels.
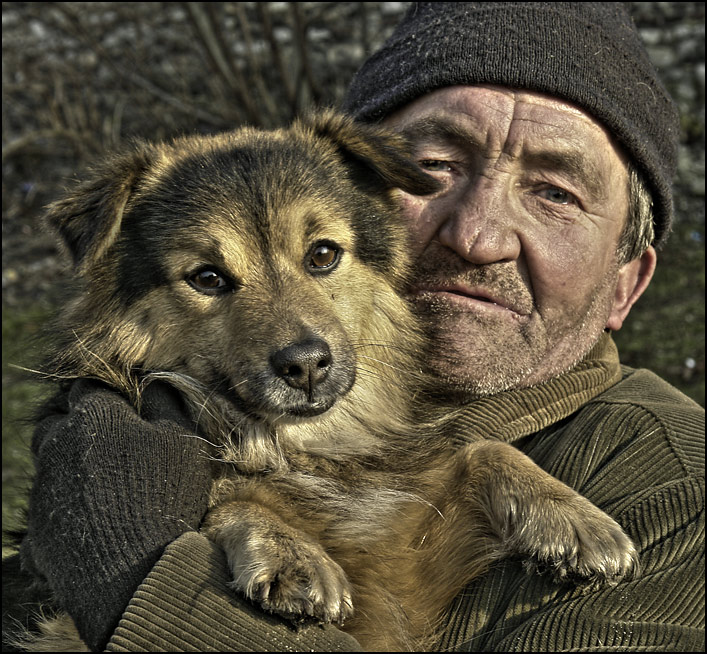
[{"x": 263, "y": 274}]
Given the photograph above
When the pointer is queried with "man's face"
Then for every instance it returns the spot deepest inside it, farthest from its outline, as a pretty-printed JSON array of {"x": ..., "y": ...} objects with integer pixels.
[{"x": 516, "y": 272}]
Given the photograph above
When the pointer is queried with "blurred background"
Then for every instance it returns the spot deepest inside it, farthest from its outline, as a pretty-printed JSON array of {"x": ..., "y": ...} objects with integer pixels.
[{"x": 81, "y": 78}]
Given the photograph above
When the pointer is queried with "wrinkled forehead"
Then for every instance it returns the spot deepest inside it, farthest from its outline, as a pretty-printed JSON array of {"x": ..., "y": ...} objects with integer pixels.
[
  {"x": 485, "y": 108},
  {"x": 536, "y": 129}
]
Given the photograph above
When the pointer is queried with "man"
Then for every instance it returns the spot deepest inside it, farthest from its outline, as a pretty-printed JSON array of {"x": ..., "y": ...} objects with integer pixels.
[{"x": 555, "y": 145}]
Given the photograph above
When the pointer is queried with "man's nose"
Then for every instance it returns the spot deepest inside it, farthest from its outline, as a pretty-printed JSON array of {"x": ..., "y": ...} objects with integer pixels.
[{"x": 481, "y": 224}]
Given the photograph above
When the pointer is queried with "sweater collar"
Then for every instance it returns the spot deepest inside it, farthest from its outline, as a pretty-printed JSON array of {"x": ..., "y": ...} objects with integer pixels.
[{"x": 513, "y": 414}]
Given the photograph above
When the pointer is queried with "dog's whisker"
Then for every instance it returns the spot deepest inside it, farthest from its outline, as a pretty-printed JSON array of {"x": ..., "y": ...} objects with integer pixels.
[
  {"x": 386, "y": 364},
  {"x": 369, "y": 374},
  {"x": 377, "y": 343}
]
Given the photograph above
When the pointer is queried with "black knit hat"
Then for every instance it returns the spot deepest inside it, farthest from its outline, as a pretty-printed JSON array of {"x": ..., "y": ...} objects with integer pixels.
[{"x": 588, "y": 53}]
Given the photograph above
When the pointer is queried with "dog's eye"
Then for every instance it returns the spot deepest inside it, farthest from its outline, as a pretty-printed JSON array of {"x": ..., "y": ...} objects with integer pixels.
[
  {"x": 210, "y": 282},
  {"x": 324, "y": 256}
]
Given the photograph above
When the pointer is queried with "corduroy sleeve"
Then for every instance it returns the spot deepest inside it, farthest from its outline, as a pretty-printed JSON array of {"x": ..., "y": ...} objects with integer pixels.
[
  {"x": 661, "y": 610},
  {"x": 637, "y": 452},
  {"x": 185, "y": 604}
]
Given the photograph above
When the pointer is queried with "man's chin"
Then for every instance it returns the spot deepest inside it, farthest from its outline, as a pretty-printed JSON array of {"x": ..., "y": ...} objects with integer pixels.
[
  {"x": 462, "y": 376},
  {"x": 461, "y": 384},
  {"x": 475, "y": 360}
]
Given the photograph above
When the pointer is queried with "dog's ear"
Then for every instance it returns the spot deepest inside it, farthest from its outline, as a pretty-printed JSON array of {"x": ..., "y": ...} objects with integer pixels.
[
  {"x": 89, "y": 217},
  {"x": 382, "y": 151}
]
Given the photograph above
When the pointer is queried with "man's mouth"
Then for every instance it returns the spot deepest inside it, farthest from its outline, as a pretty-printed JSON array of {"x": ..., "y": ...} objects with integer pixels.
[{"x": 469, "y": 298}]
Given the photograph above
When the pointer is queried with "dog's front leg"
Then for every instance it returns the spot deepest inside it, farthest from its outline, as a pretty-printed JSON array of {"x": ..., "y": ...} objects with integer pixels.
[
  {"x": 281, "y": 568},
  {"x": 537, "y": 516}
]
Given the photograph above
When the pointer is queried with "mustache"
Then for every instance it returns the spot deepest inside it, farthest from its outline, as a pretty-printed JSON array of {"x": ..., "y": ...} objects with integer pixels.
[{"x": 500, "y": 282}]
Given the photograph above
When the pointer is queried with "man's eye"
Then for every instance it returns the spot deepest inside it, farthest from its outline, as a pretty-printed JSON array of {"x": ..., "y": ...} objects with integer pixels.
[
  {"x": 557, "y": 195},
  {"x": 435, "y": 165},
  {"x": 210, "y": 282}
]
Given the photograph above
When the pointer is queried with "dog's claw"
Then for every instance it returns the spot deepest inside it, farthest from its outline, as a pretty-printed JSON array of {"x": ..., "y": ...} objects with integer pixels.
[
  {"x": 587, "y": 546},
  {"x": 309, "y": 583}
]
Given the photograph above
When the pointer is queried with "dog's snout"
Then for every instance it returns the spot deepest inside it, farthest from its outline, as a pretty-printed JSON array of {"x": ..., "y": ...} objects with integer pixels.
[{"x": 303, "y": 365}]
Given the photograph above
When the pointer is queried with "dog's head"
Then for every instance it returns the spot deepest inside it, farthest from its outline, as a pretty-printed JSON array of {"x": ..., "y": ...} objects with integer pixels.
[{"x": 264, "y": 264}]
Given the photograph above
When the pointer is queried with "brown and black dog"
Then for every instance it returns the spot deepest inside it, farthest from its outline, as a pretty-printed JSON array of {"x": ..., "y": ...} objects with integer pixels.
[{"x": 262, "y": 274}]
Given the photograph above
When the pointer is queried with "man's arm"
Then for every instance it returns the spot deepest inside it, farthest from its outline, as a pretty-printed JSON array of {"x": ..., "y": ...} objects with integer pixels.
[
  {"x": 113, "y": 489},
  {"x": 185, "y": 603},
  {"x": 661, "y": 610},
  {"x": 637, "y": 452}
]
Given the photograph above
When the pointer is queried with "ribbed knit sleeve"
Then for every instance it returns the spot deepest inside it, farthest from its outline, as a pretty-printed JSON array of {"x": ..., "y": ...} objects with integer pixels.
[
  {"x": 636, "y": 451},
  {"x": 112, "y": 489}
]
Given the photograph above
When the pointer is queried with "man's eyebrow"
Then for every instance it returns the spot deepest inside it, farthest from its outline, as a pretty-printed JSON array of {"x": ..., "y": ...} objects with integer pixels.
[
  {"x": 569, "y": 160},
  {"x": 576, "y": 165},
  {"x": 439, "y": 128}
]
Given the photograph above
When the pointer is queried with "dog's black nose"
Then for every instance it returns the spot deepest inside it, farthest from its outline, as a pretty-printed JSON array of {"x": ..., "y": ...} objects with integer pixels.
[{"x": 303, "y": 365}]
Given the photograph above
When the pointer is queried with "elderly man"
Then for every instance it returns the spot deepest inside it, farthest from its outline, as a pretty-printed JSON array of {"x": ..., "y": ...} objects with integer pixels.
[{"x": 555, "y": 144}]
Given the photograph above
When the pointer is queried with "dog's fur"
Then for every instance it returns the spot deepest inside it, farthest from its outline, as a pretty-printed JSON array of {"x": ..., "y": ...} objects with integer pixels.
[{"x": 261, "y": 274}]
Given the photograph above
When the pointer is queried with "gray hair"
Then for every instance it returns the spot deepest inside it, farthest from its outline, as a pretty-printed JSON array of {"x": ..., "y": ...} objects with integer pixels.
[{"x": 639, "y": 231}]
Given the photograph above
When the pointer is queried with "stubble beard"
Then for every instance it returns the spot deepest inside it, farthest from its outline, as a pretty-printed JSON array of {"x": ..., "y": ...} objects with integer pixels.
[{"x": 473, "y": 355}]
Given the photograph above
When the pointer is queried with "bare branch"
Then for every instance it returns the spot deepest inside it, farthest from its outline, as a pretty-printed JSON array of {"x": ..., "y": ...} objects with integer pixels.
[
  {"x": 254, "y": 67},
  {"x": 135, "y": 78},
  {"x": 232, "y": 76},
  {"x": 301, "y": 36},
  {"x": 30, "y": 138},
  {"x": 277, "y": 58}
]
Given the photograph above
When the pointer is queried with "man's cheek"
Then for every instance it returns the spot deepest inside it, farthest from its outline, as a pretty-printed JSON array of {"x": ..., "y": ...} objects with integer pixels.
[{"x": 422, "y": 220}]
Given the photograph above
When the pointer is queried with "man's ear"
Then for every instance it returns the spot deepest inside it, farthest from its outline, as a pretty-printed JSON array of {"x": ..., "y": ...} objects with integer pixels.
[{"x": 633, "y": 279}]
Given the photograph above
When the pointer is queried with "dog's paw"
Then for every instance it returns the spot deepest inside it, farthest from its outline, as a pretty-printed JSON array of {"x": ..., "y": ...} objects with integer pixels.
[
  {"x": 294, "y": 579},
  {"x": 582, "y": 544}
]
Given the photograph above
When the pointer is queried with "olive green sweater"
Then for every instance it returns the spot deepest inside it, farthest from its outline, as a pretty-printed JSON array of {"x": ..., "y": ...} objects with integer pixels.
[{"x": 623, "y": 438}]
